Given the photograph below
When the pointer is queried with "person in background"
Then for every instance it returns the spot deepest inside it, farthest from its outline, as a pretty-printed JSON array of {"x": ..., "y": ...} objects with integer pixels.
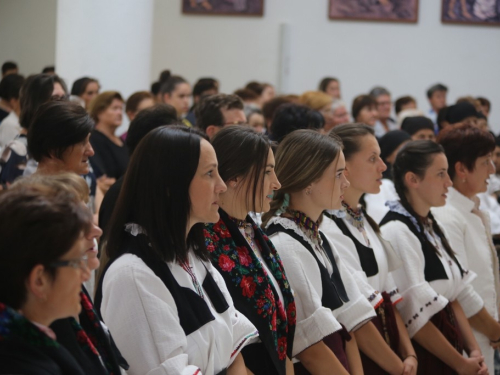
[
  {"x": 9, "y": 67},
  {"x": 84, "y": 90},
  {"x": 269, "y": 110},
  {"x": 469, "y": 153},
  {"x": 404, "y": 102},
  {"x": 135, "y": 103},
  {"x": 111, "y": 156},
  {"x": 485, "y": 106},
  {"x": 36, "y": 90},
  {"x": 330, "y": 86},
  {"x": 214, "y": 112},
  {"x": 290, "y": 117},
  {"x": 462, "y": 113},
  {"x": 436, "y": 95},
  {"x": 43, "y": 264},
  {"x": 419, "y": 127},
  {"x": 176, "y": 91},
  {"x": 179, "y": 317},
  {"x": 255, "y": 119},
  {"x": 321, "y": 102},
  {"x": 340, "y": 113},
  {"x": 203, "y": 87},
  {"x": 249, "y": 98},
  {"x": 10, "y": 89},
  {"x": 442, "y": 119},
  {"x": 264, "y": 92},
  {"x": 384, "y": 106},
  {"x": 49, "y": 70},
  {"x": 364, "y": 110},
  {"x": 435, "y": 285}
]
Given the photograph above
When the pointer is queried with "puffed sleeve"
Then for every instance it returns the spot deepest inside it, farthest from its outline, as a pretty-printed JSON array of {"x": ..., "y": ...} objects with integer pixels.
[
  {"x": 420, "y": 302},
  {"x": 142, "y": 315},
  {"x": 347, "y": 251},
  {"x": 314, "y": 322},
  {"x": 358, "y": 311}
]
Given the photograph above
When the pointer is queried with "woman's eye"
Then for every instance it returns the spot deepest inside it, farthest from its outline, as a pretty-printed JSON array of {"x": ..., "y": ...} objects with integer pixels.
[{"x": 210, "y": 173}]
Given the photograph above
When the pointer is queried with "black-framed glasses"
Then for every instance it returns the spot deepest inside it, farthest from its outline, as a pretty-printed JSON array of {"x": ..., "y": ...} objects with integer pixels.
[{"x": 81, "y": 263}]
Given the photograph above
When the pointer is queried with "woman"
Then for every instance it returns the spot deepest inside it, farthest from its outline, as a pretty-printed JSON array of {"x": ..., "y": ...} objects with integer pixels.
[
  {"x": 330, "y": 86},
  {"x": 244, "y": 256},
  {"x": 310, "y": 167},
  {"x": 368, "y": 256},
  {"x": 321, "y": 102},
  {"x": 469, "y": 151},
  {"x": 36, "y": 90},
  {"x": 179, "y": 316},
  {"x": 176, "y": 91},
  {"x": 419, "y": 127},
  {"x": 264, "y": 91},
  {"x": 111, "y": 155},
  {"x": 86, "y": 337},
  {"x": 41, "y": 280},
  {"x": 364, "y": 110},
  {"x": 137, "y": 102},
  {"x": 432, "y": 281},
  {"x": 84, "y": 90}
]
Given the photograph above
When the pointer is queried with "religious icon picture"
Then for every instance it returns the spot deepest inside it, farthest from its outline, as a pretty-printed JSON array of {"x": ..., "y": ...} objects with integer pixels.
[
  {"x": 224, "y": 7},
  {"x": 369, "y": 10},
  {"x": 482, "y": 12}
]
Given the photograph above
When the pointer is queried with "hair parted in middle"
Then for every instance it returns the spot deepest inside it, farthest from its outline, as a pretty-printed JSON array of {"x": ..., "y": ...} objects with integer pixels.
[{"x": 301, "y": 159}]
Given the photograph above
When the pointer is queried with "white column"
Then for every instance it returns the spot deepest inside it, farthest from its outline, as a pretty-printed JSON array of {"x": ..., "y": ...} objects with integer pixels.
[{"x": 105, "y": 39}]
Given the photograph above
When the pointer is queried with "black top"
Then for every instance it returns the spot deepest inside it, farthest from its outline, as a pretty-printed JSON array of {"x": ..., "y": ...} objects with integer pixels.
[
  {"x": 108, "y": 205},
  {"x": 109, "y": 159},
  {"x": 3, "y": 114}
]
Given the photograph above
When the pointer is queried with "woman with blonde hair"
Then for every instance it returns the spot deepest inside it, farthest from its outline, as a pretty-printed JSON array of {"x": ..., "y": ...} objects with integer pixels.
[
  {"x": 321, "y": 102},
  {"x": 310, "y": 167}
]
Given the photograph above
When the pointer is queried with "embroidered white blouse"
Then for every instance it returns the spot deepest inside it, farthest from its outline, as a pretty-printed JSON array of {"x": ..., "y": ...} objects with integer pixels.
[
  {"x": 376, "y": 203},
  {"x": 387, "y": 260},
  {"x": 422, "y": 299},
  {"x": 314, "y": 322},
  {"x": 142, "y": 314}
]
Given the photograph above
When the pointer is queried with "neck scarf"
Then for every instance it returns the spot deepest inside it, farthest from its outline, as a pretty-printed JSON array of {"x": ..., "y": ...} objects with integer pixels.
[{"x": 308, "y": 225}]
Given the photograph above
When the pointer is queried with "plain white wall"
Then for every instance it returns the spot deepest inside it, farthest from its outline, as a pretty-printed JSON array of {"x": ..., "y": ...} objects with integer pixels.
[
  {"x": 28, "y": 33},
  {"x": 406, "y": 58}
]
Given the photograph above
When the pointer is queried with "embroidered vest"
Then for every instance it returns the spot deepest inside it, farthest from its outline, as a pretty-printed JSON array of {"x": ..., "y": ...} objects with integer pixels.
[{"x": 334, "y": 293}]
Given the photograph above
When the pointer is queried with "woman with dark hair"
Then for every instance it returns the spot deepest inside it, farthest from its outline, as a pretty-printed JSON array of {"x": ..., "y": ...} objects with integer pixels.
[
  {"x": 264, "y": 91},
  {"x": 42, "y": 266},
  {"x": 85, "y": 89},
  {"x": 364, "y": 110},
  {"x": 469, "y": 152},
  {"x": 330, "y": 86},
  {"x": 36, "y": 90},
  {"x": 176, "y": 91},
  {"x": 179, "y": 316},
  {"x": 434, "y": 284},
  {"x": 290, "y": 117},
  {"x": 111, "y": 156},
  {"x": 243, "y": 254},
  {"x": 368, "y": 256},
  {"x": 310, "y": 167}
]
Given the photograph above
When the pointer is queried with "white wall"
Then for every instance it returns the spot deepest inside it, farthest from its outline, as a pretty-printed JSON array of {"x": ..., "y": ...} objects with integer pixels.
[
  {"x": 27, "y": 33},
  {"x": 406, "y": 58}
]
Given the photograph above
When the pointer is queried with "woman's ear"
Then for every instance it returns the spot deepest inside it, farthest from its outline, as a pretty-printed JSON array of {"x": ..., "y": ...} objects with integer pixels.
[
  {"x": 461, "y": 171},
  {"x": 38, "y": 282},
  {"x": 411, "y": 180}
]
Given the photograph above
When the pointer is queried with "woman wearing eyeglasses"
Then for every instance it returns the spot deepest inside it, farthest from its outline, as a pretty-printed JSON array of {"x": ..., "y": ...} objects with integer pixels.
[{"x": 42, "y": 267}]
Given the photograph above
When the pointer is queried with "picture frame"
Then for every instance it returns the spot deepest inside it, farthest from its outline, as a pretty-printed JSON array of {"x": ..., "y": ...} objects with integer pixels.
[
  {"x": 252, "y": 8},
  {"x": 467, "y": 12},
  {"x": 378, "y": 11}
]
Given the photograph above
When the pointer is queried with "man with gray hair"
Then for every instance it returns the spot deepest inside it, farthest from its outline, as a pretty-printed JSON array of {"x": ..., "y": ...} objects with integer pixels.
[{"x": 384, "y": 106}]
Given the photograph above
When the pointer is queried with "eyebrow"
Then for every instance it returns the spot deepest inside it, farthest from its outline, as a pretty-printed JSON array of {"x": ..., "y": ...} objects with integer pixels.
[
  {"x": 340, "y": 170},
  {"x": 212, "y": 165}
]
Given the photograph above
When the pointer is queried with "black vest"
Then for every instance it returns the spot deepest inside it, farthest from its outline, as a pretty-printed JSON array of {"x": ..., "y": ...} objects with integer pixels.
[
  {"x": 334, "y": 293},
  {"x": 192, "y": 309},
  {"x": 434, "y": 269},
  {"x": 366, "y": 255}
]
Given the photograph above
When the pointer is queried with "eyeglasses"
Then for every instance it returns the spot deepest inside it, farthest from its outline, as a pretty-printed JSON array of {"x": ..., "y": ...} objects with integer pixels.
[{"x": 81, "y": 263}]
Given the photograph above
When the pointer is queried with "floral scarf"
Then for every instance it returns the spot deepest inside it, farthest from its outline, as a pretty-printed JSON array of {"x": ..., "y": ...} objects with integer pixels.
[{"x": 249, "y": 284}]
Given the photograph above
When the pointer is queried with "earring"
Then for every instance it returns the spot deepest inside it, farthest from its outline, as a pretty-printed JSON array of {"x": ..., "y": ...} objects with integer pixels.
[{"x": 233, "y": 184}]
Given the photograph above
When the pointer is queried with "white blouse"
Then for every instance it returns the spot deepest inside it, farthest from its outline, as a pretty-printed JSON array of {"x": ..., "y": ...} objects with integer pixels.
[
  {"x": 314, "y": 322},
  {"x": 142, "y": 314},
  {"x": 387, "y": 260},
  {"x": 422, "y": 299},
  {"x": 376, "y": 203}
]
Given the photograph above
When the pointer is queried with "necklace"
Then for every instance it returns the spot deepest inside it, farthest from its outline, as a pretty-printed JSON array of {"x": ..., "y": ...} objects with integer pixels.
[
  {"x": 248, "y": 232},
  {"x": 308, "y": 225},
  {"x": 357, "y": 220},
  {"x": 186, "y": 267}
]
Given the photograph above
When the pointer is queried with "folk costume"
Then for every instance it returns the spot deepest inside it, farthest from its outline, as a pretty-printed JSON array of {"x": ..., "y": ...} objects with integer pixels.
[
  {"x": 428, "y": 280},
  {"x": 371, "y": 260},
  {"x": 326, "y": 295},
  {"x": 256, "y": 280},
  {"x": 170, "y": 317}
]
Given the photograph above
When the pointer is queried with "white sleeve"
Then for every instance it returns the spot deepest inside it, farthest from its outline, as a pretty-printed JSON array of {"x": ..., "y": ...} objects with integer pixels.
[
  {"x": 420, "y": 302},
  {"x": 349, "y": 255},
  {"x": 142, "y": 316},
  {"x": 314, "y": 322}
]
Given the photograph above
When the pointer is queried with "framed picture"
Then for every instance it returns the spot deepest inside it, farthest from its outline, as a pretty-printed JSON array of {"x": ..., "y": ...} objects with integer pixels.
[
  {"x": 369, "y": 10},
  {"x": 482, "y": 12},
  {"x": 226, "y": 7}
]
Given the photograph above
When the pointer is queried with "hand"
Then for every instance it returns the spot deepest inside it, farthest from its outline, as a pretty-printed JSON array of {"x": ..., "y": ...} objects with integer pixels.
[
  {"x": 471, "y": 366},
  {"x": 410, "y": 365},
  {"x": 104, "y": 183},
  {"x": 477, "y": 354}
]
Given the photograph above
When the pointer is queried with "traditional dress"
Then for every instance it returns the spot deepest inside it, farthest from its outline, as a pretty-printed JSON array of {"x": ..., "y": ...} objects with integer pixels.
[
  {"x": 256, "y": 280},
  {"x": 371, "y": 261},
  {"x": 428, "y": 280},
  {"x": 326, "y": 295},
  {"x": 170, "y": 317}
]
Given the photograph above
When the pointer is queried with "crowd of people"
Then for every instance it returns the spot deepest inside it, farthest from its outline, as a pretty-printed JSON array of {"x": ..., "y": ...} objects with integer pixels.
[{"x": 245, "y": 233}]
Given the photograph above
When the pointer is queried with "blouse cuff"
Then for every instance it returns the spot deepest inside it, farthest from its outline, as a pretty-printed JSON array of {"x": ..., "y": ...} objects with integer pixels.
[
  {"x": 420, "y": 303},
  {"x": 191, "y": 370},
  {"x": 395, "y": 296},
  {"x": 314, "y": 329},
  {"x": 355, "y": 313},
  {"x": 470, "y": 301}
]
